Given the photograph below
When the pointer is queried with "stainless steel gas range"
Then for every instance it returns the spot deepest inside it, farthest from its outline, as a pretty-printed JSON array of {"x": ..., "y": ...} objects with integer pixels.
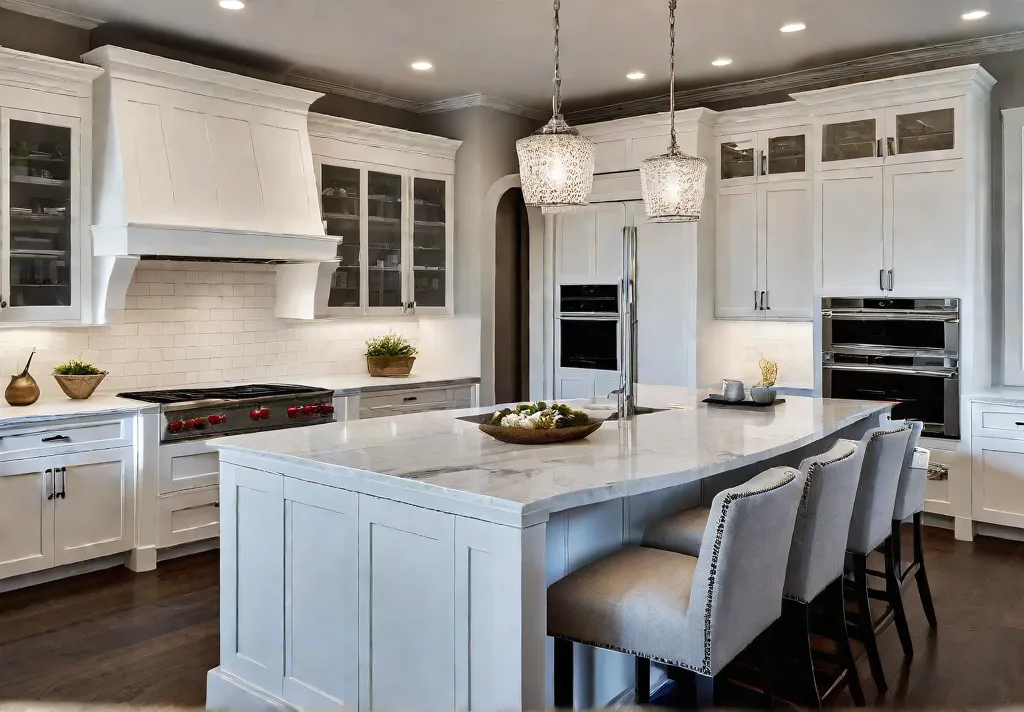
[{"x": 203, "y": 413}]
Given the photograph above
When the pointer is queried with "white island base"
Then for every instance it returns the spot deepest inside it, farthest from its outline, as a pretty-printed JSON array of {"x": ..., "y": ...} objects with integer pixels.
[{"x": 402, "y": 564}]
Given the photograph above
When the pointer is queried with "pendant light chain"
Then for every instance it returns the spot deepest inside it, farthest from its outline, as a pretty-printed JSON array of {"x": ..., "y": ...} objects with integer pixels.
[
  {"x": 673, "y": 148},
  {"x": 556, "y": 101}
]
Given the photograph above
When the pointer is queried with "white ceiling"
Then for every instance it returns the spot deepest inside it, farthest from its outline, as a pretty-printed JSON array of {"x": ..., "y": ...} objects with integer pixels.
[{"x": 503, "y": 47}]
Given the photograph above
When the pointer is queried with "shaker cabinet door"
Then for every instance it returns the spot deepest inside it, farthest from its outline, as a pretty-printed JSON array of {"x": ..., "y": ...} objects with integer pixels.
[
  {"x": 784, "y": 221},
  {"x": 26, "y": 516},
  {"x": 848, "y": 215},
  {"x": 737, "y": 288}
]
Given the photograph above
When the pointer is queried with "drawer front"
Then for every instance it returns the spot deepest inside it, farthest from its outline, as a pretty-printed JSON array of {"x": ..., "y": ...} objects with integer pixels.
[
  {"x": 189, "y": 516},
  {"x": 997, "y": 421},
  {"x": 51, "y": 438},
  {"x": 404, "y": 398},
  {"x": 188, "y": 465},
  {"x": 388, "y": 411}
]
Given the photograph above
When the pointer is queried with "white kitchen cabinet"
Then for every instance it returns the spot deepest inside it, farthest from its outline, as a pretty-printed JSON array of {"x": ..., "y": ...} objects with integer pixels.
[
  {"x": 925, "y": 227},
  {"x": 998, "y": 481},
  {"x": 192, "y": 515},
  {"x": 589, "y": 245},
  {"x": 764, "y": 156},
  {"x": 854, "y": 139},
  {"x": 849, "y": 215},
  {"x": 45, "y": 189},
  {"x": 764, "y": 252},
  {"x": 26, "y": 517},
  {"x": 925, "y": 131},
  {"x": 389, "y": 195},
  {"x": 94, "y": 515}
]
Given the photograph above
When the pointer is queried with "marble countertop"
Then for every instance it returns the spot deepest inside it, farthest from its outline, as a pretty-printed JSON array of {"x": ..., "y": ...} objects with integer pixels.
[
  {"x": 54, "y": 405},
  {"x": 439, "y": 454},
  {"x": 1003, "y": 395}
]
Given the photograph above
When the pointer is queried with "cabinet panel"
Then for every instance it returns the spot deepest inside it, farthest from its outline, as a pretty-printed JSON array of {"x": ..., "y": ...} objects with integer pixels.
[
  {"x": 189, "y": 516},
  {"x": 850, "y": 140},
  {"x": 41, "y": 221},
  {"x": 385, "y": 239},
  {"x": 738, "y": 159},
  {"x": 608, "y": 245},
  {"x": 95, "y": 514},
  {"x": 849, "y": 217},
  {"x": 784, "y": 220},
  {"x": 785, "y": 154},
  {"x": 569, "y": 388},
  {"x": 736, "y": 253},
  {"x": 188, "y": 465},
  {"x": 925, "y": 224},
  {"x": 998, "y": 481},
  {"x": 321, "y": 596},
  {"x": 26, "y": 517},
  {"x": 576, "y": 246},
  {"x": 924, "y": 131},
  {"x": 407, "y": 643}
]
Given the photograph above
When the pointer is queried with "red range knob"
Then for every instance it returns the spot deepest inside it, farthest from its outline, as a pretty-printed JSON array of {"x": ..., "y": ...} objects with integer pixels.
[
  {"x": 293, "y": 412},
  {"x": 255, "y": 415},
  {"x": 264, "y": 413},
  {"x": 217, "y": 419},
  {"x": 198, "y": 423},
  {"x": 309, "y": 409},
  {"x": 326, "y": 409},
  {"x": 176, "y": 427}
]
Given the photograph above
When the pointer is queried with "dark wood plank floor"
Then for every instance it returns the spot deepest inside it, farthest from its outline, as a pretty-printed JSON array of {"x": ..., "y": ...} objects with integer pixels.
[{"x": 118, "y": 637}]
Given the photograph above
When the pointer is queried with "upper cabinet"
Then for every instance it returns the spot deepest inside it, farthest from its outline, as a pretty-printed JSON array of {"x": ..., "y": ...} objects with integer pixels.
[
  {"x": 388, "y": 196},
  {"x": 45, "y": 169},
  {"x": 764, "y": 156}
]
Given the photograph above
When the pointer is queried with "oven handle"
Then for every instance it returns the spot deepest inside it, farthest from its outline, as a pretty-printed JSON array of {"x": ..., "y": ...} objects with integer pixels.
[
  {"x": 901, "y": 370},
  {"x": 594, "y": 316},
  {"x": 858, "y": 315}
]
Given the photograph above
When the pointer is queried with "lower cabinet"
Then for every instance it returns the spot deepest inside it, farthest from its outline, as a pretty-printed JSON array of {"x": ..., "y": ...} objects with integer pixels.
[
  {"x": 998, "y": 481},
  {"x": 193, "y": 515},
  {"x": 66, "y": 509}
]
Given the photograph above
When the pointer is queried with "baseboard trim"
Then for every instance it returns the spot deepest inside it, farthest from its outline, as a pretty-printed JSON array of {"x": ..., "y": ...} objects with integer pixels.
[
  {"x": 195, "y": 547},
  {"x": 62, "y": 572},
  {"x": 224, "y": 691}
]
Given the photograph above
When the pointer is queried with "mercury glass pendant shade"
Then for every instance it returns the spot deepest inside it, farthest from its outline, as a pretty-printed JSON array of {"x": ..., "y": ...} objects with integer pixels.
[
  {"x": 673, "y": 187},
  {"x": 556, "y": 166}
]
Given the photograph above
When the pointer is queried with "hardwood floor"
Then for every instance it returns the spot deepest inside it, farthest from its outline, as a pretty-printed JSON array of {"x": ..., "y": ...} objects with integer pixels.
[{"x": 119, "y": 637}]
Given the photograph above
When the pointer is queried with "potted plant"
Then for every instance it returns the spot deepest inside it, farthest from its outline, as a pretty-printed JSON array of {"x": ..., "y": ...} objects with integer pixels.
[
  {"x": 764, "y": 392},
  {"x": 78, "y": 379},
  {"x": 390, "y": 355}
]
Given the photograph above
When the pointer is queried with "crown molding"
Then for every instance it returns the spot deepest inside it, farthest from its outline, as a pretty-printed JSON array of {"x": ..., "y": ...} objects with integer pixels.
[
  {"x": 26, "y": 7},
  {"x": 806, "y": 79},
  {"x": 337, "y": 128},
  {"x": 485, "y": 100},
  {"x": 326, "y": 86},
  {"x": 57, "y": 76}
]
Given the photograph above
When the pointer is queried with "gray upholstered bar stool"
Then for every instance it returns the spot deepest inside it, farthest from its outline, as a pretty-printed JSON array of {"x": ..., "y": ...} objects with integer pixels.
[
  {"x": 694, "y": 614},
  {"x": 910, "y": 505},
  {"x": 815, "y": 570},
  {"x": 871, "y": 528}
]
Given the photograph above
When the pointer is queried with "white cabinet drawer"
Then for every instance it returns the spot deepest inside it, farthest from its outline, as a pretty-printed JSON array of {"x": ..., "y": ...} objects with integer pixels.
[
  {"x": 410, "y": 397},
  {"x": 415, "y": 401},
  {"x": 189, "y": 516},
  {"x": 997, "y": 421},
  {"x": 188, "y": 465},
  {"x": 58, "y": 438}
]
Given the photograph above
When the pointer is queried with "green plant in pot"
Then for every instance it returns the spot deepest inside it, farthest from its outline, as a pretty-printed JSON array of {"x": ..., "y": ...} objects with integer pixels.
[
  {"x": 78, "y": 379},
  {"x": 390, "y": 354},
  {"x": 764, "y": 392}
]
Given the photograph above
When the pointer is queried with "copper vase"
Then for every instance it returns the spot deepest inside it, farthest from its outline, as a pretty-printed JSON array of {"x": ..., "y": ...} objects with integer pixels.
[{"x": 23, "y": 389}]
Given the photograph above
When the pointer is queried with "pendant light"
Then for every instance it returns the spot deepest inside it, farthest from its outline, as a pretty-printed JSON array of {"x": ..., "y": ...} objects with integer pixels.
[
  {"x": 556, "y": 164},
  {"x": 673, "y": 184}
]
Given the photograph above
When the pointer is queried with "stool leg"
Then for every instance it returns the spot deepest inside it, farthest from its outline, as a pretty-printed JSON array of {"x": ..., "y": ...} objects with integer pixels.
[
  {"x": 894, "y": 596},
  {"x": 767, "y": 650},
  {"x": 865, "y": 627},
  {"x": 801, "y": 631},
  {"x": 642, "y": 689},
  {"x": 563, "y": 674},
  {"x": 837, "y": 614},
  {"x": 921, "y": 575},
  {"x": 695, "y": 691},
  {"x": 704, "y": 689}
]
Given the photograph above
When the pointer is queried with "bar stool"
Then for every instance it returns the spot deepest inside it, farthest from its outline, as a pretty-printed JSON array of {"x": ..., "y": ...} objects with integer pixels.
[
  {"x": 693, "y": 614},
  {"x": 910, "y": 505},
  {"x": 814, "y": 575},
  {"x": 871, "y": 528}
]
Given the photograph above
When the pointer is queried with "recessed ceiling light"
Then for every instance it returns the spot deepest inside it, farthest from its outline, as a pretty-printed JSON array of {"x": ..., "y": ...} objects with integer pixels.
[
  {"x": 422, "y": 66},
  {"x": 793, "y": 27},
  {"x": 974, "y": 15},
  {"x": 636, "y": 76},
  {"x": 232, "y": 4},
  {"x": 723, "y": 62}
]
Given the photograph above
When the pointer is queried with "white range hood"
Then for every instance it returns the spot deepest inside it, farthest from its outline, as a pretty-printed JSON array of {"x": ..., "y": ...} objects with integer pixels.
[{"x": 195, "y": 163}]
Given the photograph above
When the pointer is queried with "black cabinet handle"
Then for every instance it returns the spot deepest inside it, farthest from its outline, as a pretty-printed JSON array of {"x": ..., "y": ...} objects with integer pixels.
[
  {"x": 51, "y": 485},
  {"x": 63, "y": 482},
  {"x": 57, "y": 439},
  {"x": 409, "y": 399},
  {"x": 1019, "y": 424},
  {"x": 217, "y": 504},
  {"x": 762, "y": 301},
  {"x": 3, "y": 304}
]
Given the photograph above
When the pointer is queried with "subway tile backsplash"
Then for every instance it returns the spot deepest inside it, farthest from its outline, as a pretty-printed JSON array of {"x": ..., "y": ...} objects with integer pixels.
[
  {"x": 188, "y": 322},
  {"x": 739, "y": 345}
]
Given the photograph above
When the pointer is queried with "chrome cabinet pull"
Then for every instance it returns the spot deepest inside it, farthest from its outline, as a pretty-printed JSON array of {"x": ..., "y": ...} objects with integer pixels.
[
  {"x": 890, "y": 144},
  {"x": 764, "y": 301},
  {"x": 756, "y": 308},
  {"x": 764, "y": 163},
  {"x": 892, "y": 281}
]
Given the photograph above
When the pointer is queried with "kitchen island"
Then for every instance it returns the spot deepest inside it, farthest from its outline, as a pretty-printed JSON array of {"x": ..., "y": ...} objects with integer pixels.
[{"x": 402, "y": 563}]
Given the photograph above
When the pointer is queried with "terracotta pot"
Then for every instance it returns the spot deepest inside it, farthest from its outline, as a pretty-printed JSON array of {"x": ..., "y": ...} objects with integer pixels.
[
  {"x": 389, "y": 366},
  {"x": 79, "y": 387},
  {"x": 22, "y": 390}
]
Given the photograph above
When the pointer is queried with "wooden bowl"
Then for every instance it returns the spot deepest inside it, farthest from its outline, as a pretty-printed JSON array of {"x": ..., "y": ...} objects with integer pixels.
[{"x": 521, "y": 436}]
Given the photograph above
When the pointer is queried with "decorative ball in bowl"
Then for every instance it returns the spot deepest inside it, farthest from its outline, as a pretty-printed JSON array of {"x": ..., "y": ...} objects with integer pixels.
[
  {"x": 539, "y": 424},
  {"x": 78, "y": 379},
  {"x": 390, "y": 355}
]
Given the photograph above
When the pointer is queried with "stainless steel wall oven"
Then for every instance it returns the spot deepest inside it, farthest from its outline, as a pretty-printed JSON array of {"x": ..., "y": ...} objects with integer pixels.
[{"x": 588, "y": 323}]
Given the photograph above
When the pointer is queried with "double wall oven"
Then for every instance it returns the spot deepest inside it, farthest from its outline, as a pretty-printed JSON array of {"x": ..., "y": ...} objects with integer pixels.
[
  {"x": 588, "y": 324},
  {"x": 901, "y": 350}
]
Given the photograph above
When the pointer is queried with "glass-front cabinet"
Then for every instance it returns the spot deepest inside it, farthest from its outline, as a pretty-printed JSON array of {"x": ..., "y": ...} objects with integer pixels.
[
  {"x": 764, "y": 156},
  {"x": 40, "y": 229},
  {"x": 395, "y": 233}
]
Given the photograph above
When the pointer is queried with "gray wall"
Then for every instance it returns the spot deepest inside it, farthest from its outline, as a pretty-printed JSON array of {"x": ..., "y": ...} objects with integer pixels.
[{"x": 39, "y": 36}]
